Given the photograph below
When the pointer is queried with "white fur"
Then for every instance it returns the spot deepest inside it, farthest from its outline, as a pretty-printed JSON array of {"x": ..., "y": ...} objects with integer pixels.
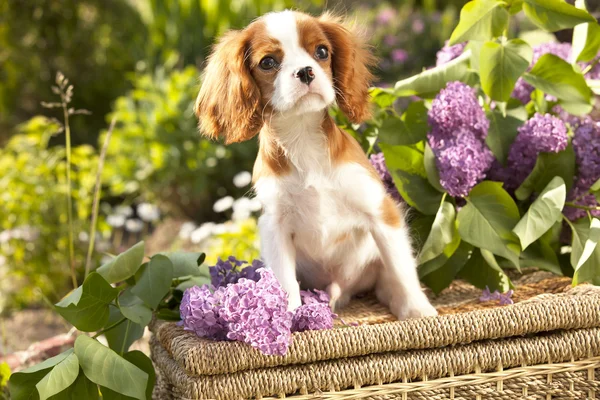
[{"x": 288, "y": 88}]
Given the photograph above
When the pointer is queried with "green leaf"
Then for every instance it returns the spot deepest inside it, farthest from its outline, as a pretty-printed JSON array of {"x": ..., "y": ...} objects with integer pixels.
[
  {"x": 433, "y": 175},
  {"x": 140, "y": 360},
  {"x": 406, "y": 165},
  {"x": 134, "y": 309},
  {"x": 193, "y": 281},
  {"x": 124, "y": 265},
  {"x": 104, "y": 367},
  {"x": 484, "y": 272},
  {"x": 585, "y": 252},
  {"x": 555, "y": 76},
  {"x": 548, "y": 166},
  {"x": 501, "y": 64},
  {"x": 480, "y": 20},
  {"x": 410, "y": 128},
  {"x": 155, "y": 281},
  {"x": 187, "y": 263},
  {"x": 502, "y": 133},
  {"x": 442, "y": 233},
  {"x": 586, "y": 38},
  {"x": 428, "y": 83},
  {"x": 87, "y": 307},
  {"x": 124, "y": 335},
  {"x": 543, "y": 212},
  {"x": 83, "y": 388},
  {"x": 382, "y": 97},
  {"x": 474, "y": 47},
  {"x": 541, "y": 255},
  {"x": 555, "y": 15},
  {"x": 441, "y": 277},
  {"x": 22, "y": 385},
  {"x": 59, "y": 378},
  {"x": 488, "y": 219}
]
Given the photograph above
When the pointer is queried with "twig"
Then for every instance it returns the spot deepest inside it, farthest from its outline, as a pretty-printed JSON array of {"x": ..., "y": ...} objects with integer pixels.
[
  {"x": 110, "y": 327},
  {"x": 97, "y": 190}
]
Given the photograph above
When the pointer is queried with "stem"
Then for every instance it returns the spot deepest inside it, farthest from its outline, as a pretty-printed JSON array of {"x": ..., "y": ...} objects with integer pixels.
[
  {"x": 69, "y": 194},
  {"x": 97, "y": 190},
  {"x": 569, "y": 204},
  {"x": 110, "y": 327},
  {"x": 592, "y": 65},
  {"x": 125, "y": 339}
]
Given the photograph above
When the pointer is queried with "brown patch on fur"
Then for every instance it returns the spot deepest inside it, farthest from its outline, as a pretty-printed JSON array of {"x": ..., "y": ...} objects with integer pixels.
[
  {"x": 351, "y": 59},
  {"x": 271, "y": 159},
  {"x": 343, "y": 148},
  {"x": 312, "y": 36},
  {"x": 390, "y": 212}
]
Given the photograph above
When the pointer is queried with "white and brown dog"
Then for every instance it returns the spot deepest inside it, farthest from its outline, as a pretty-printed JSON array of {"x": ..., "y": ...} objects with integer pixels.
[{"x": 327, "y": 220}]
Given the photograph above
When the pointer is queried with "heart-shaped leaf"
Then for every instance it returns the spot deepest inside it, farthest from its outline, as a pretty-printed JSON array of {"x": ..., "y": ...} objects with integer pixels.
[
  {"x": 585, "y": 253},
  {"x": 483, "y": 271},
  {"x": 121, "y": 337},
  {"x": 555, "y": 15},
  {"x": 134, "y": 309},
  {"x": 501, "y": 64},
  {"x": 543, "y": 212},
  {"x": 502, "y": 133},
  {"x": 442, "y": 233},
  {"x": 586, "y": 39},
  {"x": 87, "y": 307},
  {"x": 124, "y": 265},
  {"x": 22, "y": 385},
  {"x": 481, "y": 20},
  {"x": 104, "y": 367},
  {"x": 187, "y": 263},
  {"x": 83, "y": 388},
  {"x": 488, "y": 219},
  {"x": 59, "y": 378},
  {"x": 155, "y": 281},
  {"x": 441, "y": 277}
]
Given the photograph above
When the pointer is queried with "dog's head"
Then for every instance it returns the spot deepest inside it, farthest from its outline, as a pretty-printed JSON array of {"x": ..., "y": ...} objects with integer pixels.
[{"x": 284, "y": 63}]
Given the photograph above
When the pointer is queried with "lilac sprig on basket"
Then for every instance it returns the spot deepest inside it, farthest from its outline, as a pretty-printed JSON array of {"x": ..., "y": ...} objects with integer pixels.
[
  {"x": 251, "y": 306},
  {"x": 502, "y": 298}
]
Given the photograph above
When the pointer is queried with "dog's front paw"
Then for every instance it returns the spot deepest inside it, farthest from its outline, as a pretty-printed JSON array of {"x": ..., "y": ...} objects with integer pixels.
[{"x": 413, "y": 308}]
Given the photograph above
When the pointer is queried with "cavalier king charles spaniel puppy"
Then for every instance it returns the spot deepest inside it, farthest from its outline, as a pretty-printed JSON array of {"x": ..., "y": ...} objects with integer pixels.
[{"x": 327, "y": 220}]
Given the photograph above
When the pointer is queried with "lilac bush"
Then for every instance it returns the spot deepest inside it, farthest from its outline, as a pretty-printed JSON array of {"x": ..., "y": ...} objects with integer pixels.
[
  {"x": 457, "y": 137},
  {"x": 378, "y": 161},
  {"x": 449, "y": 53}
]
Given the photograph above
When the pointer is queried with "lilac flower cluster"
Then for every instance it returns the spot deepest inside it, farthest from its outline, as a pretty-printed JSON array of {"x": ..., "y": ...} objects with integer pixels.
[
  {"x": 253, "y": 311},
  {"x": 232, "y": 270},
  {"x": 378, "y": 161},
  {"x": 503, "y": 298},
  {"x": 586, "y": 143},
  {"x": 540, "y": 134},
  {"x": 457, "y": 137},
  {"x": 449, "y": 53}
]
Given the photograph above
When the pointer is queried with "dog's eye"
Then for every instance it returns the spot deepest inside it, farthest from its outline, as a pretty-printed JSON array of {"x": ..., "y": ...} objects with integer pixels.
[
  {"x": 268, "y": 63},
  {"x": 321, "y": 53}
]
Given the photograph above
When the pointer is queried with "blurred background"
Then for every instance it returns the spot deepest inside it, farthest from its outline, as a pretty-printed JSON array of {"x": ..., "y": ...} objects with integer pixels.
[{"x": 139, "y": 62}]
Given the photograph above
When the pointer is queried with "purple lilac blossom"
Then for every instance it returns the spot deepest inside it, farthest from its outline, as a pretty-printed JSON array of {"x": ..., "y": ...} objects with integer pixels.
[
  {"x": 418, "y": 26},
  {"x": 502, "y": 298},
  {"x": 385, "y": 16},
  {"x": 457, "y": 137},
  {"x": 586, "y": 143},
  {"x": 232, "y": 270},
  {"x": 540, "y": 134},
  {"x": 251, "y": 311},
  {"x": 390, "y": 40},
  {"x": 399, "y": 56},
  {"x": 378, "y": 161},
  {"x": 449, "y": 53}
]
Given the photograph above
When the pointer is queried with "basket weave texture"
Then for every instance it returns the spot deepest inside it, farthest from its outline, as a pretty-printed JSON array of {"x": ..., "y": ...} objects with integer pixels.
[{"x": 545, "y": 346}]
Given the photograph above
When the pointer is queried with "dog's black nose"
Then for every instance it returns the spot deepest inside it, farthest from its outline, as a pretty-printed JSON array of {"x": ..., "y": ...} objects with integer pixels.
[{"x": 306, "y": 75}]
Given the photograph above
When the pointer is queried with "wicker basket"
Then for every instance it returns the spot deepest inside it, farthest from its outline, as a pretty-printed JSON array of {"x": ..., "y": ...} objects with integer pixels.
[{"x": 545, "y": 346}]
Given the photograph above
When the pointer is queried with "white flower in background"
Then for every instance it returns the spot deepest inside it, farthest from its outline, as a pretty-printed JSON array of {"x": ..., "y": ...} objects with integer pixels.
[
  {"x": 83, "y": 236},
  {"x": 2, "y": 260},
  {"x": 211, "y": 162},
  {"x": 5, "y": 236},
  {"x": 148, "y": 212},
  {"x": 26, "y": 233},
  {"x": 202, "y": 233},
  {"x": 241, "y": 209},
  {"x": 116, "y": 220},
  {"x": 242, "y": 179},
  {"x": 134, "y": 225},
  {"x": 186, "y": 230},
  {"x": 220, "y": 152},
  {"x": 255, "y": 205},
  {"x": 223, "y": 204},
  {"x": 126, "y": 211}
]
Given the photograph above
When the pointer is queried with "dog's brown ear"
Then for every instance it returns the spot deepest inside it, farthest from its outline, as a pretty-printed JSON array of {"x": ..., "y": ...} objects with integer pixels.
[
  {"x": 351, "y": 60},
  {"x": 229, "y": 100}
]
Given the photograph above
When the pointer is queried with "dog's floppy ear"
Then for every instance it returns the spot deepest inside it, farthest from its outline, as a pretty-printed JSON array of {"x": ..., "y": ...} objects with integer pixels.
[
  {"x": 228, "y": 104},
  {"x": 351, "y": 60}
]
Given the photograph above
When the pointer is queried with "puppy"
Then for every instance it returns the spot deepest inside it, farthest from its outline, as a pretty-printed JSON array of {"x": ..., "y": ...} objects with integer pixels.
[{"x": 327, "y": 220}]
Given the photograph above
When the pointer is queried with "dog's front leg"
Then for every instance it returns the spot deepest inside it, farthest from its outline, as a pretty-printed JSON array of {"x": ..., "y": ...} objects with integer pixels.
[
  {"x": 279, "y": 254},
  {"x": 398, "y": 283}
]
